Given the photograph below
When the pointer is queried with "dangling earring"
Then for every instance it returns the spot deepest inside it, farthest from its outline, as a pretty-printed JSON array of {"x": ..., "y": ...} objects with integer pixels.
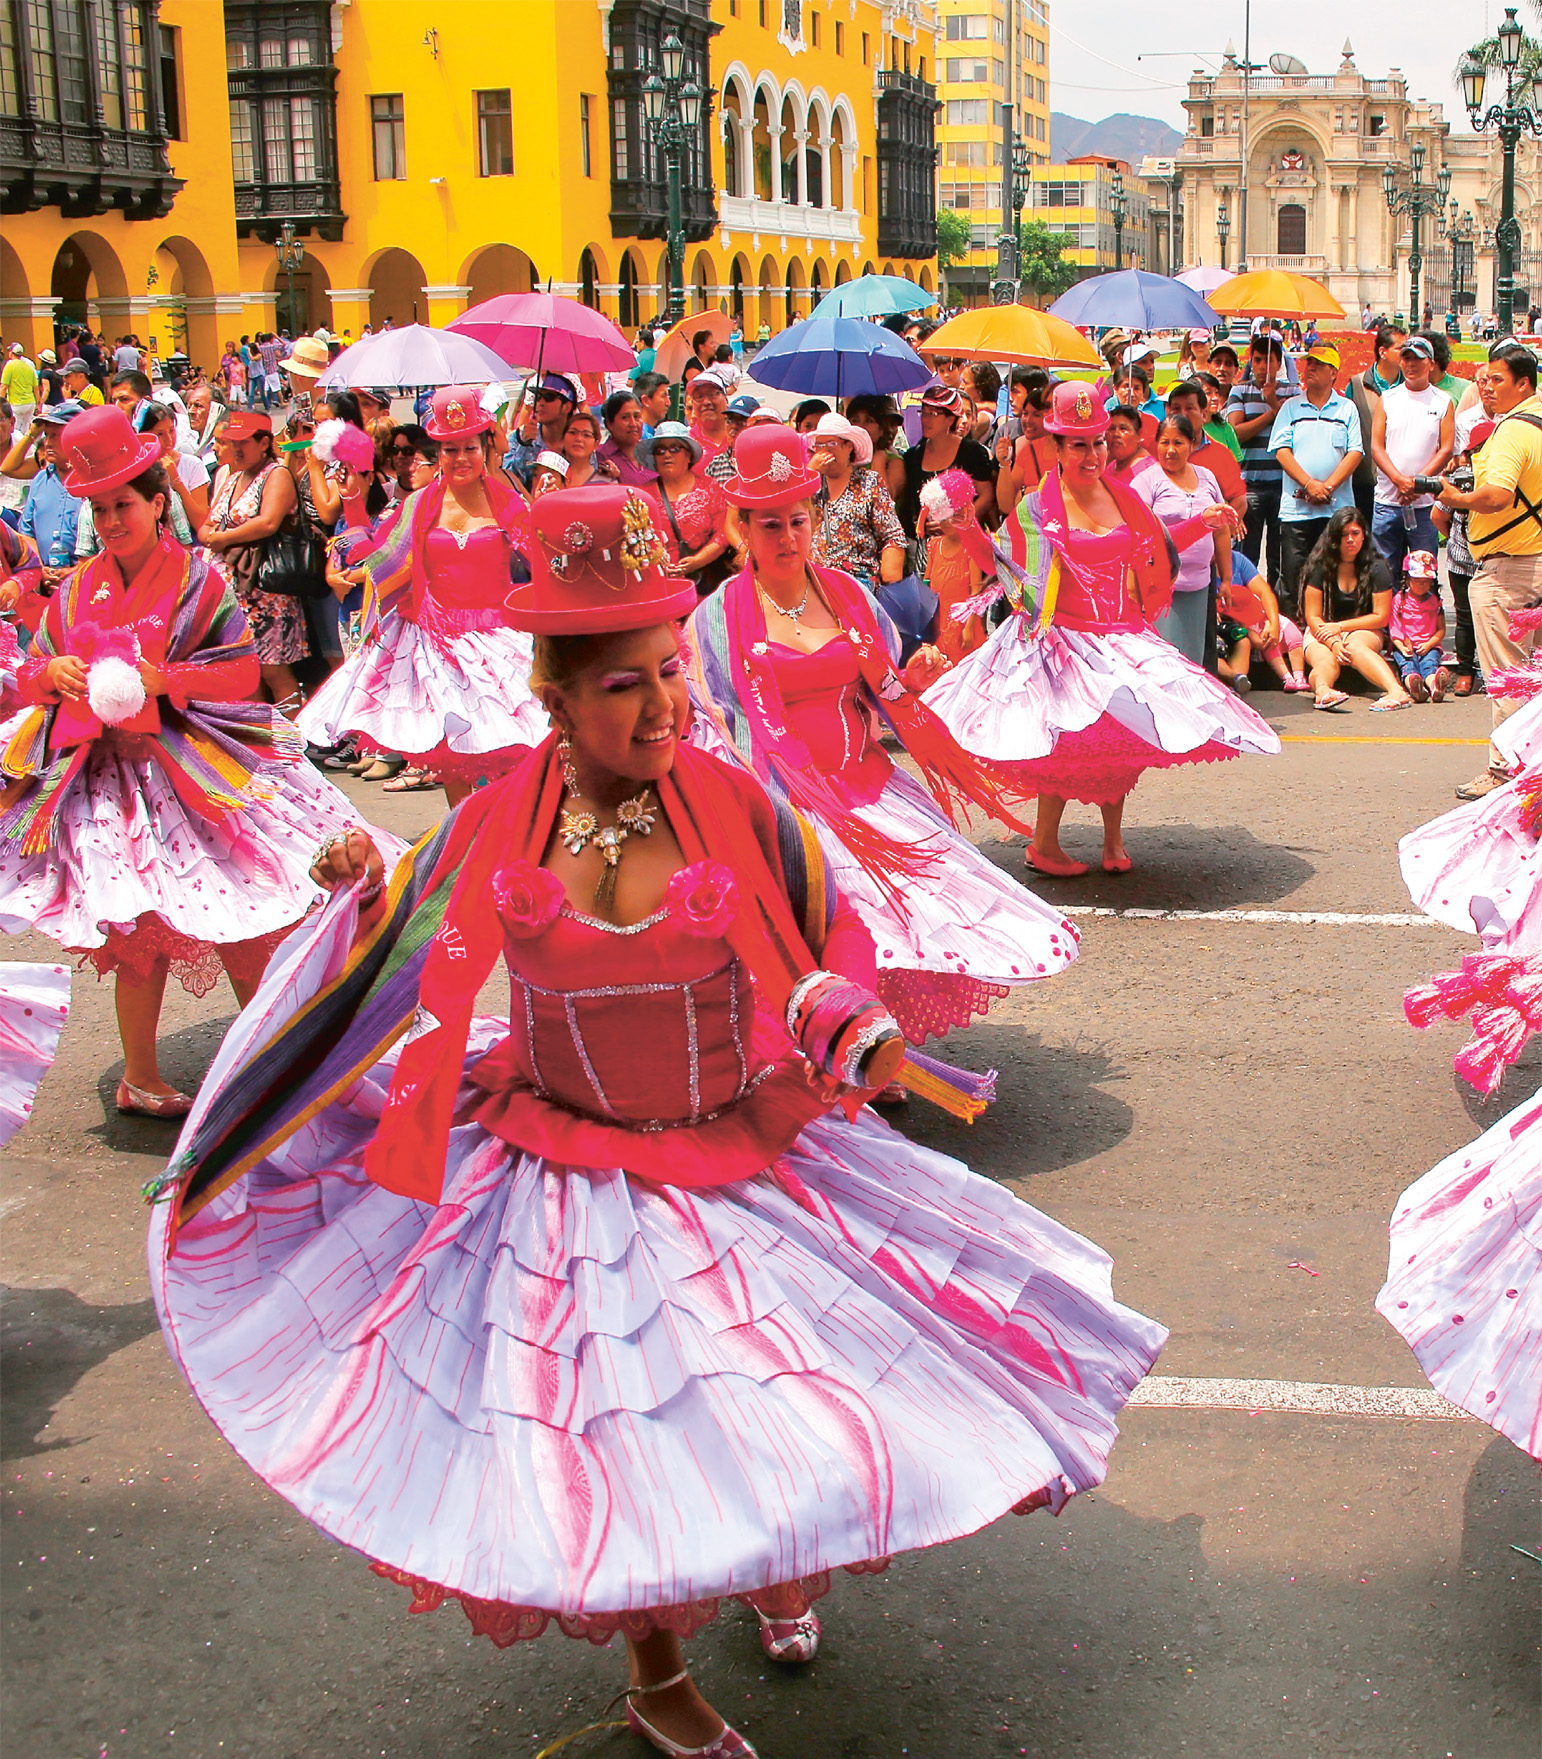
[{"x": 565, "y": 758}]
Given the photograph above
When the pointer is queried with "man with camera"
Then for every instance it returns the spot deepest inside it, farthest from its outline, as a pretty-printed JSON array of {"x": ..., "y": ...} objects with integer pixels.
[
  {"x": 1504, "y": 531},
  {"x": 1413, "y": 428}
]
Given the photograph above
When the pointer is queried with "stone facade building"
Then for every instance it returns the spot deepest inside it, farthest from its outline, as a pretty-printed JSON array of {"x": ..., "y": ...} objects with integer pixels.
[{"x": 1315, "y": 146}]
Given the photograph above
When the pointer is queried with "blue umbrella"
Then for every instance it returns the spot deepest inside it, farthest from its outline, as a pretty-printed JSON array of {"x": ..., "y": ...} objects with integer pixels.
[
  {"x": 873, "y": 296},
  {"x": 839, "y": 357},
  {"x": 1134, "y": 299}
]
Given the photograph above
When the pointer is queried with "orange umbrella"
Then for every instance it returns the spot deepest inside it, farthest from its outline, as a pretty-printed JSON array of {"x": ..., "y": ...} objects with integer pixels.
[
  {"x": 1274, "y": 293},
  {"x": 674, "y": 346},
  {"x": 1015, "y": 333}
]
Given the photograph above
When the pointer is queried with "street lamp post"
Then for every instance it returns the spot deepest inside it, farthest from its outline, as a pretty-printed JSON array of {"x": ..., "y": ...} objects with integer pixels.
[
  {"x": 1460, "y": 232},
  {"x": 1223, "y": 229},
  {"x": 673, "y": 108},
  {"x": 1119, "y": 207},
  {"x": 1511, "y": 120},
  {"x": 1418, "y": 200},
  {"x": 1004, "y": 287},
  {"x": 291, "y": 254}
]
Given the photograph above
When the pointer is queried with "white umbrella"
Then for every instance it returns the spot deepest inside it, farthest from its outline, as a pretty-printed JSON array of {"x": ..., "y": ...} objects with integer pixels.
[
  {"x": 415, "y": 355},
  {"x": 1205, "y": 278}
]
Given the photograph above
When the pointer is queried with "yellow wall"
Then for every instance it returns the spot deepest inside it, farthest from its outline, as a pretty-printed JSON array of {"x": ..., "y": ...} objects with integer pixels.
[
  {"x": 467, "y": 237},
  {"x": 193, "y": 250}
]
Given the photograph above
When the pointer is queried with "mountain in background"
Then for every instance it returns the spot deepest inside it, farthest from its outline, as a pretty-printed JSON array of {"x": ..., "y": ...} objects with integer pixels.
[{"x": 1115, "y": 137}]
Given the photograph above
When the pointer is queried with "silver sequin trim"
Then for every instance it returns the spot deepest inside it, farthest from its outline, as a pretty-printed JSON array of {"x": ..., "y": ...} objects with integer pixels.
[
  {"x": 611, "y": 927},
  {"x": 795, "y": 1000},
  {"x": 851, "y": 1074},
  {"x": 692, "y": 1052},
  {"x": 733, "y": 1027},
  {"x": 583, "y": 1050}
]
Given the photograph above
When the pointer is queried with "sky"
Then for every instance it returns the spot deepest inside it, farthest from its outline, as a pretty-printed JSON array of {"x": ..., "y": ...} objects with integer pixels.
[{"x": 1124, "y": 65}]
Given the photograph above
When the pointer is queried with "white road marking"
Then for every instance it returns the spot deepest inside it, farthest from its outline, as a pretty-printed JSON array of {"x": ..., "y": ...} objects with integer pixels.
[
  {"x": 1303, "y": 918},
  {"x": 1315, "y": 1398}
]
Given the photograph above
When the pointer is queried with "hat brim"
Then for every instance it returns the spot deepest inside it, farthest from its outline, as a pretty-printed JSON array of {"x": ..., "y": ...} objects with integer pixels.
[
  {"x": 1096, "y": 424},
  {"x": 645, "y": 448},
  {"x": 299, "y": 369},
  {"x": 484, "y": 426},
  {"x": 798, "y": 488},
  {"x": 599, "y": 619},
  {"x": 83, "y": 488}
]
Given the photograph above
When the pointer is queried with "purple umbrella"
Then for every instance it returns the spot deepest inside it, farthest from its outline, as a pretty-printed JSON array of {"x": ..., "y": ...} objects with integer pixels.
[{"x": 415, "y": 355}]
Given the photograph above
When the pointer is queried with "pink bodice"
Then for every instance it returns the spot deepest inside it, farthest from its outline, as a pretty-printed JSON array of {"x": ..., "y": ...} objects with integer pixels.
[
  {"x": 821, "y": 693},
  {"x": 637, "y": 1047},
  {"x": 648, "y": 1025},
  {"x": 467, "y": 582},
  {"x": 1095, "y": 587}
]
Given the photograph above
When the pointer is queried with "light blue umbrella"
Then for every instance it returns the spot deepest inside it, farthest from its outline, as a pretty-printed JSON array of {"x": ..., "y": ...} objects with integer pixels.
[
  {"x": 839, "y": 357},
  {"x": 1136, "y": 300},
  {"x": 874, "y": 296}
]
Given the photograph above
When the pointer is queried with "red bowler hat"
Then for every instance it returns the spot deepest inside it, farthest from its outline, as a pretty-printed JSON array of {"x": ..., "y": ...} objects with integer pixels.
[
  {"x": 455, "y": 412},
  {"x": 1075, "y": 412},
  {"x": 595, "y": 566},
  {"x": 102, "y": 451},
  {"x": 771, "y": 468}
]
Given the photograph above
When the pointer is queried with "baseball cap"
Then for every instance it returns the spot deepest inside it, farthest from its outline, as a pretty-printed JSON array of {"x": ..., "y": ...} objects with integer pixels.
[
  {"x": 1419, "y": 564},
  {"x": 1417, "y": 345},
  {"x": 61, "y": 412},
  {"x": 1199, "y": 335},
  {"x": 75, "y": 365},
  {"x": 556, "y": 382},
  {"x": 744, "y": 404},
  {"x": 1326, "y": 352},
  {"x": 245, "y": 424}
]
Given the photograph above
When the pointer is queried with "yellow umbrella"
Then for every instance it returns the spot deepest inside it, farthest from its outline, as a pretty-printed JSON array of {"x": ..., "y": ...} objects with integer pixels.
[
  {"x": 1274, "y": 293},
  {"x": 1015, "y": 333}
]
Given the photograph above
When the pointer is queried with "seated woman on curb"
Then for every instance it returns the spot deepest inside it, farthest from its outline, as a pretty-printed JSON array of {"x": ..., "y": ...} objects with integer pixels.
[{"x": 1346, "y": 593}]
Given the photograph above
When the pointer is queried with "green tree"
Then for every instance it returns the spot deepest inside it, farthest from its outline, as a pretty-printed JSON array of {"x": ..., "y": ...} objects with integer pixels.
[
  {"x": 952, "y": 239},
  {"x": 1040, "y": 264}
]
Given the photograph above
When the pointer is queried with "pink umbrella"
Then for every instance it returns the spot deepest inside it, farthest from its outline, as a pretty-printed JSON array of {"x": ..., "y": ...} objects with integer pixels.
[{"x": 547, "y": 332}]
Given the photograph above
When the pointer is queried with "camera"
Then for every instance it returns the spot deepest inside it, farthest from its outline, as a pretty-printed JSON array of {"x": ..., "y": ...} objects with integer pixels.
[{"x": 1432, "y": 485}]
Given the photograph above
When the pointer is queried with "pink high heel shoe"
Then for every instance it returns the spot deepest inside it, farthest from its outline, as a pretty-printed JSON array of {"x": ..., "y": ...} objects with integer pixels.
[
  {"x": 730, "y": 1744},
  {"x": 135, "y": 1102},
  {"x": 790, "y": 1640}
]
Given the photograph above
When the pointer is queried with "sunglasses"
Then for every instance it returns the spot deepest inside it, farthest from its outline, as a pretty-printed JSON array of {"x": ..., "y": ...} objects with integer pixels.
[
  {"x": 665, "y": 447},
  {"x": 403, "y": 450}
]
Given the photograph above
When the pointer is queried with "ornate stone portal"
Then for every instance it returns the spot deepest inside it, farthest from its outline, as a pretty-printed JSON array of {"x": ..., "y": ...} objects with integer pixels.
[{"x": 1316, "y": 146}]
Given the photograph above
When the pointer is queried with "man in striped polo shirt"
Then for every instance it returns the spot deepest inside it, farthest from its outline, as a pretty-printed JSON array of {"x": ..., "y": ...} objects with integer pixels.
[{"x": 1254, "y": 403}]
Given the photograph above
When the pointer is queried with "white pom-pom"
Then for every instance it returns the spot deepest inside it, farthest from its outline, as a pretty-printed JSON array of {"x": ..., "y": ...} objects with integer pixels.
[
  {"x": 324, "y": 440},
  {"x": 934, "y": 501},
  {"x": 115, "y": 690}
]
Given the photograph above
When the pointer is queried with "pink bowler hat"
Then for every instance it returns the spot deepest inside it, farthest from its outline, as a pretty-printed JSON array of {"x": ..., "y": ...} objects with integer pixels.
[
  {"x": 1075, "y": 411},
  {"x": 102, "y": 451},
  {"x": 771, "y": 468},
  {"x": 456, "y": 412},
  {"x": 596, "y": 566}
]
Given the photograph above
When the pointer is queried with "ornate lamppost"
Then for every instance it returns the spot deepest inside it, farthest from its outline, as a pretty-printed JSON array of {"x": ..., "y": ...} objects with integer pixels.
[
  {"x": 1511, "y": 120},
  {"x": 291, "y": 254},
  {"x": 1004, "y": 287},
  {"x": 1223, "y": 229},
  {"x": 1420, "y": 200},
  {"x": 1461, "y": 233},
  {"x": 673, "y": 108},
  {"x": 1119, "y": 207},
  {"x": 1021, "y": 171}
]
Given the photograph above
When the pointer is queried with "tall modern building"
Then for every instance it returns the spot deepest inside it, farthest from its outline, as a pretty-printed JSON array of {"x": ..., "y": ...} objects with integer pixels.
[
  {"x": 154, "y": 152},
  {"x": 993, "y": 83}
]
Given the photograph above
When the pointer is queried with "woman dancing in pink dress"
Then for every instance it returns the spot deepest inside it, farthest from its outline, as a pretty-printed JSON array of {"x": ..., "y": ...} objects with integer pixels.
[
  {"x": 441, "y": 677},
  {"x": 1075, "y": 695},
  {"x": 624, "y": 1306}
]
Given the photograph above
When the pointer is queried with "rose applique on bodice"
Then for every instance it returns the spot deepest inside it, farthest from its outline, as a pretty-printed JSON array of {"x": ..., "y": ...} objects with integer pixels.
[{"x": 636, "y": 1046}]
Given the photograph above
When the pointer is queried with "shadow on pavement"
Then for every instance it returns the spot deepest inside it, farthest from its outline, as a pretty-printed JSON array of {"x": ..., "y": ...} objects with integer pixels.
[
  {"x": 1177, "y": 867},
  {"x": 184, "y": 1057},
  {"x": 50, "y": 1339}
]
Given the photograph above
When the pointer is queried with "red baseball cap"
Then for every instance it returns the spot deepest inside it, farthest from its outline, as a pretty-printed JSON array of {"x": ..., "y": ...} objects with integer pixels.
[{"x": 246, "y": 424}]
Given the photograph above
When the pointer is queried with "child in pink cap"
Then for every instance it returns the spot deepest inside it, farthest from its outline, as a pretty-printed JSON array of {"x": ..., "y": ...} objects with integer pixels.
[{"x": 1417, "y": 629}]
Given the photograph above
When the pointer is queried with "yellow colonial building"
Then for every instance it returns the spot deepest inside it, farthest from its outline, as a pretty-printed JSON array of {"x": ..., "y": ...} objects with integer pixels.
[{"x": 427, "y": 156}]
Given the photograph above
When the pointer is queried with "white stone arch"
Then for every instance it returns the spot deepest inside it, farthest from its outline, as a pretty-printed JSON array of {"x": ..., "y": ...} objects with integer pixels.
[
  {"x": 795, "y": 101},
  {"x": 767, "y": 89},
  {"x": 821, "y": 143},
  {"x": 739, "y": 83},
  {"x": 845, "y": 185}
]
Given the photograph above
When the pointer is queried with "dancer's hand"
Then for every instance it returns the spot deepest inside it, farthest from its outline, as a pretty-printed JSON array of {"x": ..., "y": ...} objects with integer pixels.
[
  {"x": 66, "y": 676},
  {"x": 347, "y": 858},
  {"x": 926, "y": 665}
]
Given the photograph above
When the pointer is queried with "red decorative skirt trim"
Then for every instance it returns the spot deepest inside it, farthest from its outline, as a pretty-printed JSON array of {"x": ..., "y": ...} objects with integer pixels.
[
  {"x": 197, "y": 965},
  {"x": 1101, "y": 764},
  {"x": 506, "y": 1624},
  {"x": 930, "y": 1004}
]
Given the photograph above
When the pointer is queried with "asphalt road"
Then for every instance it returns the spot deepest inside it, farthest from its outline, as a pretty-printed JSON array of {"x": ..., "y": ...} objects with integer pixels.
[{"x": 1228, "y": 1106}]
